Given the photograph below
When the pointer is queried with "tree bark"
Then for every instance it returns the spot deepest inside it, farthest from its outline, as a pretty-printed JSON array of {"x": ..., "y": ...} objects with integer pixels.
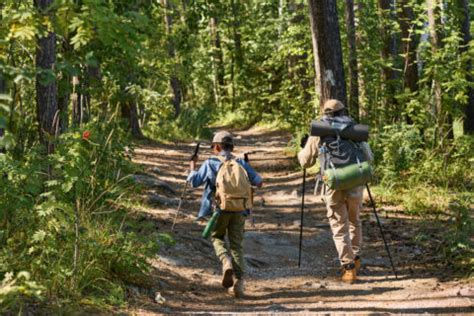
[
  {"x": 129, "y": 111},
  {"x": 409, "y": 45},
  {"x": 353, "y": 102},
  {"x": 239, "y": 54},
  {"x": 46, "y": 89},
  {"x": 3, "y": 90},
  {"x": 327, "y": 42},
  {"x": 217, "y": 61},
  {"x": 443, "y": 116},
  {"x": 297, "y": 64},
  {"x": 388, "y": 52},
  {"x": 466, "y": 38},
  {"x": 175, "y": 83}
]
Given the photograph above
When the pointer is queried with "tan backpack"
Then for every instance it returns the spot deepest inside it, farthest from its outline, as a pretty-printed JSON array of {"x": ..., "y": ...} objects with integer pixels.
[{"x": 233, "y": 188}]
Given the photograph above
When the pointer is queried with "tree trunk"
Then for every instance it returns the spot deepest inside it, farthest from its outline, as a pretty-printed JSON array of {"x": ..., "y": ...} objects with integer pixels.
[
  {"x": 466, "y": 39},
  {"x": 237, "y": 57},
  {"x": 239, "y": 54},
  {"x": 409, "y": 45},
  {"x": 353, "y": 102},
  {"x": 360, "y": 9},
  {"x": 443, "y": 116},
  {"x": 129, "y": 111},
  {"x": 217, "y": 61},
  {"x": 297, "y": 64},
  {"x": 327, "y": 42},
  {"x": 46, "y": 94},
  {"x": 3, "y": 90},
  {"x": 175, "y": 83},
  {"x": 388, "y": 52}
]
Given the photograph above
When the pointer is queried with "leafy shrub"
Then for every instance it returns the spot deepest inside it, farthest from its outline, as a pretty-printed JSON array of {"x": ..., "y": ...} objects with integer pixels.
[
  {"x": 62, "y": 218},
  {"x": 15, "y": 290}
]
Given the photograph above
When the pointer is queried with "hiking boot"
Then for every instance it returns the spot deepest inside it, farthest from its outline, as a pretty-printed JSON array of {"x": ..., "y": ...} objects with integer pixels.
[
  {"x": 357, "y": 263},
  {"x": 349, "y": 273},
  {"x": 238, "y": 289},
  {"x": 227, "y": 272}
]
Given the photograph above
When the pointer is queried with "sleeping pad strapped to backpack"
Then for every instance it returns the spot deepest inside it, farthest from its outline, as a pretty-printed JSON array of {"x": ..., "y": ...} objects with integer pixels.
[{"x": 343, "y": 163}]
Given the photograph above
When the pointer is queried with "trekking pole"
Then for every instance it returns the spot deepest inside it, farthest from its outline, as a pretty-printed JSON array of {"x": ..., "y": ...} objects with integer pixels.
[
  {"x": 301, "y": 219},
  {"x": 303, "y": 142},
  {"x": 196, "y": 150},
  {"x": 381, "y": 231},
  {"x": 252, "y": 219}
]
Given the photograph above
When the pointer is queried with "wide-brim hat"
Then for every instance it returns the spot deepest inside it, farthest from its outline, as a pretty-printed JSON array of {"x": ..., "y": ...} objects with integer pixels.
[
  {"x": 223, "y": 137},
  {"x": 332, "y": 105}
]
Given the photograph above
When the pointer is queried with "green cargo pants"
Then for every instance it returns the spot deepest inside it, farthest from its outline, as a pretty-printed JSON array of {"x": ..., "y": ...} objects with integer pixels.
[{"x": 232, "y": 225}]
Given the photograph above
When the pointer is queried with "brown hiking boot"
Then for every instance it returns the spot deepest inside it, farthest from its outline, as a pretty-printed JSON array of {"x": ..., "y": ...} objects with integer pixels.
[
  {"x": 357, "y": 263},
  {"x": 227, "y": 272},
  {"x": 349, "y": 273},
  {"x": 238, "y": 289}
]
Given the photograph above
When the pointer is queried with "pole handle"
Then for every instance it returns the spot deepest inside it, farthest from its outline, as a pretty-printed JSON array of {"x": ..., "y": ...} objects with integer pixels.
[{"x": 196, "y": 151}]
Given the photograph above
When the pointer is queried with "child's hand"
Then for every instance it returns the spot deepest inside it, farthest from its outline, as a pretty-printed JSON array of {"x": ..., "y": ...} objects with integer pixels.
[{"x": 192, "y": 163}]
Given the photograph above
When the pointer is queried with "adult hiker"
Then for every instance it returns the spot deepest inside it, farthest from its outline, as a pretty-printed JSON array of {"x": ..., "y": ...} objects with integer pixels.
[
  {"x": 343, "y": 206},
  {"x": 230, "y": 180}
]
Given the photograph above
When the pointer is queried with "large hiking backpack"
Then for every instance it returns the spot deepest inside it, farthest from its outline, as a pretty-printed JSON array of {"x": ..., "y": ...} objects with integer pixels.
[
  {"x": 233, "y": 188},
  {"x": 343, "y": 163}
]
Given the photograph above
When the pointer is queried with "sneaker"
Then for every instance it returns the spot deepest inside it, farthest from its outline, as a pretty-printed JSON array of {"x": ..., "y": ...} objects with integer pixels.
[
  {"x": 238, "y": 289},
  {"x": 357, "y": 263},
  {"x": 349, "y": 274},
  {"x": 227, "y": 273}
]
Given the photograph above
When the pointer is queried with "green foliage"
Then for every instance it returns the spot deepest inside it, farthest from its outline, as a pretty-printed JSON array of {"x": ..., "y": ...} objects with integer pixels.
[
  {"x": 16, "y": 291},
  {"x": 424, "y": 178},
  {"x": 62, "y": 218}
]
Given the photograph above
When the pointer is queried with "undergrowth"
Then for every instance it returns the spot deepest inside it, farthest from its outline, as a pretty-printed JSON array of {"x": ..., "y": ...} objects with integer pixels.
[
  {"x": 65, "y": 232},
  {"x": 433, "y": 183}
]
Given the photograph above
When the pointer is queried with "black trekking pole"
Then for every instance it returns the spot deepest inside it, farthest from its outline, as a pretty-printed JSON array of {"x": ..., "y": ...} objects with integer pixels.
[
  {"x": 381, "y": 231},
  {"x": 301, "y": 219},
  {"x": 252, "y": 219},
  {"x": 196, "y": 151},
  {"x": 303, "y": 142}
]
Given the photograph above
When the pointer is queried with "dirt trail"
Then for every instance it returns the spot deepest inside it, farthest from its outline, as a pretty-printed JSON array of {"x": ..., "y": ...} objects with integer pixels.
[{"x": 188, "y": 275}]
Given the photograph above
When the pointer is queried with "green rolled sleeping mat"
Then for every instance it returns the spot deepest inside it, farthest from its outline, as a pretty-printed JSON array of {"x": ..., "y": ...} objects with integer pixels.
[{"x": 348, "y": 177}]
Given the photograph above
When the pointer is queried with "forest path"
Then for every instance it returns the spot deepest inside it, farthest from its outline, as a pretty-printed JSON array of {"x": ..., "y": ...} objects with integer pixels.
[{"x": 188, "y": 273}]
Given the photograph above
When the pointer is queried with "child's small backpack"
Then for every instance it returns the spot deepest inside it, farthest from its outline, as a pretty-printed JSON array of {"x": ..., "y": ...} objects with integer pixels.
[{"x": 233, "y": 188}]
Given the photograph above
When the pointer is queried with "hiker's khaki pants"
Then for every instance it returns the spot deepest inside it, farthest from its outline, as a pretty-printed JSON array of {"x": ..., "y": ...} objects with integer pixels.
[
  {"x": 231, "y": 225},
  {"x": 343, "y": 208}
]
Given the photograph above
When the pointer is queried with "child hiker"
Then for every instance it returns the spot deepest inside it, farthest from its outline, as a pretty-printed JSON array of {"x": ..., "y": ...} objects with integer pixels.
[{"x": 229, "y": 179}]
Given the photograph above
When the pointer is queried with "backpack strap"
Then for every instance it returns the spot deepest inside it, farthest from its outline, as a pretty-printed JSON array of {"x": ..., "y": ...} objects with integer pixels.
[
  {"x": 220, "y": 158},
  {"x": 224, "y": 158}
]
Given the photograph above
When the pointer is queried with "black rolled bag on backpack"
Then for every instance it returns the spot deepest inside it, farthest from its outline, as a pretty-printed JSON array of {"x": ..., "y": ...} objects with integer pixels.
[{"x": 344, "y": 163}]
